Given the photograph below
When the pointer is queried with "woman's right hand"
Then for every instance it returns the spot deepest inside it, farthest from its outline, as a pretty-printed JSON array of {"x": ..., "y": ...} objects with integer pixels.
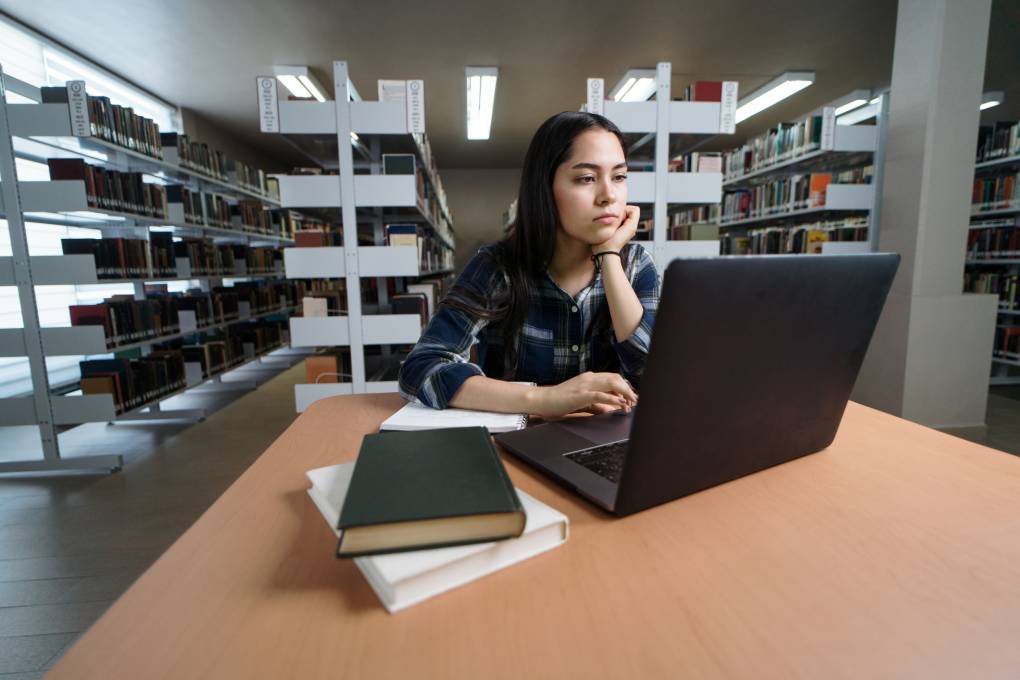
[{"x": 592, "y": 392}]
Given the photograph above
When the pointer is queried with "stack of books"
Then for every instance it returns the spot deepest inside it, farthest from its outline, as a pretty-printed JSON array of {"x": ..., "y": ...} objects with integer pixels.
[{"x": 423, "y": 512}]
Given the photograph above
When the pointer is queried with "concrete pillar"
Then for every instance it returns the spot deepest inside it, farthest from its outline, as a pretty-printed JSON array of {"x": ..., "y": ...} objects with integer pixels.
[{"x": 930, "y": 358}]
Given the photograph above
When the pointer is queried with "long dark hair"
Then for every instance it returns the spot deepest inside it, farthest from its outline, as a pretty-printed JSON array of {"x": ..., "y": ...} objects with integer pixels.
[{"x": 527, "y": 249}]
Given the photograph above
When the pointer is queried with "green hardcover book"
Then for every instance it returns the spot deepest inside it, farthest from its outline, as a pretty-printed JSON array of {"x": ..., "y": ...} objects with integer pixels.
[{"x": 427, "y": 489}]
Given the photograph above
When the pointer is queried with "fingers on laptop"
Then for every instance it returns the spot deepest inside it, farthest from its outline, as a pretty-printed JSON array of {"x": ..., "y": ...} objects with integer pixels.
[{"x": 616, "y": 384}]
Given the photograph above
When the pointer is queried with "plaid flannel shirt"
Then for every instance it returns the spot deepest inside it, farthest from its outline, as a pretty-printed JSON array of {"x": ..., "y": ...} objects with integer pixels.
[{"x": 561, "y": 338}]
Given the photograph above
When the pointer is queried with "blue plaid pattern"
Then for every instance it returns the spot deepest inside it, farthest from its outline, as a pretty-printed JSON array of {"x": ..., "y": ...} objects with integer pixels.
[{"x": 561, "y": 338}]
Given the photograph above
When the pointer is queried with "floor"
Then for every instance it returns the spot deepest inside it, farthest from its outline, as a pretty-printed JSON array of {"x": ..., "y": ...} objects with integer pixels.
[{"x": 70, "y": 545}]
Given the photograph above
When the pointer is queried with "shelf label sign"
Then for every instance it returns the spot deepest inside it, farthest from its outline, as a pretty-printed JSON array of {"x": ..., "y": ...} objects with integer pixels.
[
  {"x": 78, "y": 107},
  {"x": 596, "y": 95},
  {"x": 416, "y": 106},
  {"x": 269, "y": 105},
  {"x": 828, "y": 141},
  {"x": 728, "y": 108}
]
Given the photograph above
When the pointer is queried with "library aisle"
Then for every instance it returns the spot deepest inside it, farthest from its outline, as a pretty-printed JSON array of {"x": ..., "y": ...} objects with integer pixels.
[{"x": 70, "y": 545}]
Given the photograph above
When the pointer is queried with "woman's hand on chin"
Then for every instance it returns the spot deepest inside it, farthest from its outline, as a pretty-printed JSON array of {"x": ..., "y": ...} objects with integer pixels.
[{"x": 623, "y": 234}]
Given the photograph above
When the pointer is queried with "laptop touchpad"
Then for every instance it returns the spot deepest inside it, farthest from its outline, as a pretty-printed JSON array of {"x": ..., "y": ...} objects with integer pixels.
[{"x": 600, "y": 429}]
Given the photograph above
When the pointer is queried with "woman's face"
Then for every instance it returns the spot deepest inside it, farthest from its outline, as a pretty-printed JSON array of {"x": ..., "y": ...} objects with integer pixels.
[{"x": 590, "y": 187}]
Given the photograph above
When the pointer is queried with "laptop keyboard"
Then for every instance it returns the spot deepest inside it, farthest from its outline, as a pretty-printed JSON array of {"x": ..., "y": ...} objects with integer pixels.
[{"x": 605, "y": 461}]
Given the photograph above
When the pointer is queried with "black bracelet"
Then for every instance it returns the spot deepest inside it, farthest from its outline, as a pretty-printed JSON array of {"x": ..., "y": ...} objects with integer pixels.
[{"x": 598, "y": 263}]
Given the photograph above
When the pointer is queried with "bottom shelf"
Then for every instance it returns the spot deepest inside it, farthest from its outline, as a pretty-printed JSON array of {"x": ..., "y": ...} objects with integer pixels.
[{"x": 98, "y": 408}]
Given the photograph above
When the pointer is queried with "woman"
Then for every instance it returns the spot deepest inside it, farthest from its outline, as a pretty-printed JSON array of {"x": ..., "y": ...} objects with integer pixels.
[{"x": 564, "y": 300}]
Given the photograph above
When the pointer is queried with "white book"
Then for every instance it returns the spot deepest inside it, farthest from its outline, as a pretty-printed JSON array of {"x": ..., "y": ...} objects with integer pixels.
[{"x": 404, "y": 579}]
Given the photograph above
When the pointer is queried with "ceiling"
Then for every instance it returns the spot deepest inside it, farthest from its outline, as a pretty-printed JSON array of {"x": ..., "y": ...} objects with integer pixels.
[{"x": 205, "y": 55}]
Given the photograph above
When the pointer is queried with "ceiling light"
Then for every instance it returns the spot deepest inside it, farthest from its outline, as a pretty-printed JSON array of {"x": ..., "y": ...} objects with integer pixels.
[
  {"x": 295, "y": 87},
  {"x": 310, "y": 86},
  {"x": 300, "y": 82},
  {"x": 851, "y": 101},
  {"x": 858, "y": 115},
  {"x": 776, "y": 91},
  {"x": 637, "y": 85},
  {"x": 481, "y": 97},
  {"x": 990, "y": 99}
]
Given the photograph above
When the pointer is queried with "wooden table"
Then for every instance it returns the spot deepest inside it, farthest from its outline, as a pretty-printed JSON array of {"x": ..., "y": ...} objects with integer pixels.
[{"x": 895, "y": 553}]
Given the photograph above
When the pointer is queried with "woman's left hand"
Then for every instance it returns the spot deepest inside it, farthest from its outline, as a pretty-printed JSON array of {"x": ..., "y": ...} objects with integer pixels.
[{"x": 623, "y": 234}]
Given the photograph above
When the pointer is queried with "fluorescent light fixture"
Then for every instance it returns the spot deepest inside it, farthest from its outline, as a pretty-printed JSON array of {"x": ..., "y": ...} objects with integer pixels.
[
  {"x": 991, "y": 99},
  {"x": 294, "y": 85},
  {"x": 774, "y": 92},
  {"x": 858, "y": 115},
  {"x": 310, "y": 86},
  {"x": 636, "y": 85},
  {"x": 481, "y": 97},
  {"x": 849, "y": 102},
  {"x": 301, "y": 82}
]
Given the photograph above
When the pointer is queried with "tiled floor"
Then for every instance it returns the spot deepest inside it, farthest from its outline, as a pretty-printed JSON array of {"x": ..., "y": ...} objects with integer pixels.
[{"x": 70, "y": 545}]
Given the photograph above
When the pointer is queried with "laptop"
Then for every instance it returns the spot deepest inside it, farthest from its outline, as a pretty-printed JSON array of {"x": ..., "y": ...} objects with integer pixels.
[{"x": 751, "y": 365}]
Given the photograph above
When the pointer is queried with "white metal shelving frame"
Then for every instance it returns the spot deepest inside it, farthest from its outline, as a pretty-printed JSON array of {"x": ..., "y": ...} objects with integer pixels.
[
  {"x": 1003, "y": 371},
  {"x": 348, "y": 191},
  {"x": 659, "y": 119},
  {"x": 842, "y": 146},
  {"x": 28, "y": 131}
]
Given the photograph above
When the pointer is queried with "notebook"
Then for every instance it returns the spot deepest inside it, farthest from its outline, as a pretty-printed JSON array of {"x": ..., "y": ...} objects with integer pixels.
[
  {"x": 417, "y": 417},
  {"x": 401, "y": 580}
]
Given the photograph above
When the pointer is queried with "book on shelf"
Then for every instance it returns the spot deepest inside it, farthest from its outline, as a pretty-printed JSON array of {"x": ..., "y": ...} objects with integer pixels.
[
  {"x": 391, "y": 90},
  {"x": 1007, "y": 342},
  {"x": 411, "y": 303},
  {"x": 697, "y": 161},
  {"x": 401, "y": 234},
  {"x": 329, "y": 366},
  {"x": 784, "y": 142},
  {"x": 703, "y": 91},
  {"x": 998, "y": 242},
  {"x": 427, "y": 489},
  {"x": 126, "y": 320},
  {"x": 1002, "y": 281},
  {"x": 326, "y": 302},
  {"x": 133, "y": 382},
  {"x": 800, "y": 238},
  {"x": 110, "y": 189},
  {"x": 1001, "y": 140},
  {"x": 695, "y": 216},
  {"x": 788, "y": 194},
  {"x": 220, "y": 350},
  {"x": 190, "y": 203},
  {"x": 247, "y": 177},
  {"x": 694, "y": 232},
  {"x": 320, "y": 236},
  {"x": 999, "y": 191},
  {"x": 399, "y": 164},
  {"x": 401, "y": 580},
  {"x": 121, "y": 258},
  {"x": 119, "y": 125},
  {"x": 179, "y": 149}
]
